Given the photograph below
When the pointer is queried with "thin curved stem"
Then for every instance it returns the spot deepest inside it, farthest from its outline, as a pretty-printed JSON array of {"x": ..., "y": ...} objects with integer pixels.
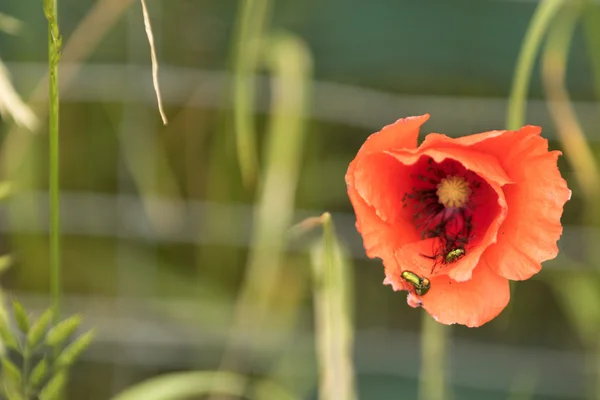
[
  {"x": 544, "y": 13},
  {"x": 570, "y": 133}
]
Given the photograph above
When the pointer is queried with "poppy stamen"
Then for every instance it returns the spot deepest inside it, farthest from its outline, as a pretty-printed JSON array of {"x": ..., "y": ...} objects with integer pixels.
[
  {"x": 453, "y": 191},
  {"x": 441, "y": 198}
]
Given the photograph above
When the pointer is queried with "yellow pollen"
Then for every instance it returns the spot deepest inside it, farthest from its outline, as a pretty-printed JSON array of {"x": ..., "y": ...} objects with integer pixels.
[{"x": 453, "y": 191}]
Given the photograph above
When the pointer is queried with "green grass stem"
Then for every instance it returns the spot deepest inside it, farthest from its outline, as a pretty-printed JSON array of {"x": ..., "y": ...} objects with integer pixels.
[
  {"x": 434, "y": 343},
  {"x": 332, "y": 298},
  {"x": 54, "y": 51},
  {"x": 517, "y": 102},
  {"x": 289, "y": 60},
  {"x": 248, "y": 43}
]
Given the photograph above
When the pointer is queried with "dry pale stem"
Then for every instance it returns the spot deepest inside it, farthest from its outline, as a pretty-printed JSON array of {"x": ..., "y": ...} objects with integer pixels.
[{"x": 150, "y": 36}]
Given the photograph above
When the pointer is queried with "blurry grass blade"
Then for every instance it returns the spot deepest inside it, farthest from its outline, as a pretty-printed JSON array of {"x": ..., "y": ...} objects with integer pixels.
[
  {"x": 54, "y": 388},
  {"x": 151, "y": 170},
  {"x": 11, "y": 104},
  {"x": 21, "y": 316},
  {"x": 574, "y": 143},
  {"x": 253, "y": 17},
  {"x": 543, "y": 15},
  {"x": 72, "y": 352},
  {"x": 38, "y": 374},
  {"x": 290, "y": 62},
  {"x": 226, "y": 179},
  {"x": 7, "y": 337},
  {"x": 6, "y": 189},
  {"x": 13, "y": 394},
  {"x": 305, "y": 226},
  {"x": 184, "y": 385},
  {"x": 524, "y": 382},
  {"x": 5, "y": 262},
  {"x": 432, "y": 376},
  {"x": 591, "y": 20},
  {"x": 295, "y": 369},
  {"x": 576, "y": 292},
  {"x": 62, "y": 331},
  {"x": 333, "y": 322},
  {"x": 150, "y": 36},
  {"x": 554, "y": 68},
  {"x": 266, "y": 390},
  {"x": 187, "y": 385},
  {"x": 9, "y": 24},
  {"x": 38, "y": 329},
  {"x": 10, "y": 373}
]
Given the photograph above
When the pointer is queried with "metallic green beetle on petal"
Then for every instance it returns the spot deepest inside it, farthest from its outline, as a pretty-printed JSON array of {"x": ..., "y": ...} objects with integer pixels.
[
  {"x": 421, "y": 285},
  {"x": 454, "y": 255}
]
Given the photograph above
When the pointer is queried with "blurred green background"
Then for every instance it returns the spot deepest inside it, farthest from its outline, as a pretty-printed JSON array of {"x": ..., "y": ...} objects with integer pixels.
[{"x": 159, "y": 224}]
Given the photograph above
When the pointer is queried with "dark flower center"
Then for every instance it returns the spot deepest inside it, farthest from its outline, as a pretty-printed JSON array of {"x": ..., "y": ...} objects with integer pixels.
[{"x": 442, "y": 198}]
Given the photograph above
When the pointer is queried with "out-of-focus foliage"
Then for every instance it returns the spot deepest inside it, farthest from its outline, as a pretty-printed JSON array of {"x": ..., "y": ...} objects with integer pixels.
[{"x": 161, "y": 226}]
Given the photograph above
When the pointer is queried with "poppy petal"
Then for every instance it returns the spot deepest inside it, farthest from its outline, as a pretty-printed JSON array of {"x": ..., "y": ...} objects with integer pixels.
[
  {"x": 375, "y": 190},
  {"x": 484, "y": 165},
  {"x": 493, "y": 142},
  {"x": 471, "y": 303},
  {"x": 529, "y": 234},
  {"x": 402, "y": 134},
  {"x": 378, "y": 235}
]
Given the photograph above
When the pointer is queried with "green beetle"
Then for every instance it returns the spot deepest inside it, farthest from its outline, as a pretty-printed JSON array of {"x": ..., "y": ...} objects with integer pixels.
[
  {"x": 454, "y": 255},
  {"x": 421, "y": 285}
]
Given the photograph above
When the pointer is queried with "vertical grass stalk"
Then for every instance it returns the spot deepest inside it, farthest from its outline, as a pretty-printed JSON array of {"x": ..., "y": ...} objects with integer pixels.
[
  {"x": 591, "y": 24},
  {"x": 82, "y": 42},
  {"x": 333, "y": 317},
  {"x": 544, "y": 13},
  {"x": 289, "y": 59},
  {"x": 54, "y": 49},
  {"x": 432, "y": 377},
  {"x": 232, "y": 169},
  {"x": 248, "y": 44}
]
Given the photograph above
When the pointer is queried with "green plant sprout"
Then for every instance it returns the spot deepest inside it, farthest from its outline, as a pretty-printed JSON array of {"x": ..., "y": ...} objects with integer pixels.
[{"x": 29, "y": 369}]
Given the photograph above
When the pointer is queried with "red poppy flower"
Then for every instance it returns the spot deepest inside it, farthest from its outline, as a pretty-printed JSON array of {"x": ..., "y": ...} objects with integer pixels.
[{"x": 454, "y": 219}]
